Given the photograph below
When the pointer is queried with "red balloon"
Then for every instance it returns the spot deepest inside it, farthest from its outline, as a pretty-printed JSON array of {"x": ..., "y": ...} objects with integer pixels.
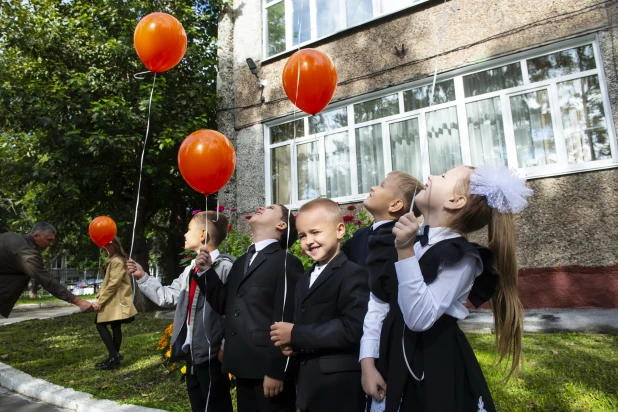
[
  {"x": 102, "y": 230},
  {"x": 206, "y": 160},
  {"x": 317, "y": 81},
  {"x": 160, "y": 41}
]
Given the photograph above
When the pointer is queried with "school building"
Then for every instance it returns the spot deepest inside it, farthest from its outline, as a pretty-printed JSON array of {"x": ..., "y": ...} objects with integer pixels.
[{"x": 530, "y": 84}]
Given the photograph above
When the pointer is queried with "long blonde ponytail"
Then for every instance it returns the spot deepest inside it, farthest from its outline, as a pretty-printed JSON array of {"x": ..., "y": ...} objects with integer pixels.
[{"x": 505, "y": 304}]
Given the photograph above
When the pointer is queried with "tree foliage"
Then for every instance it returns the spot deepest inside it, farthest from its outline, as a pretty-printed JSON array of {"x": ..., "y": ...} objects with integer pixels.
[{"x": 73, "y": 118}]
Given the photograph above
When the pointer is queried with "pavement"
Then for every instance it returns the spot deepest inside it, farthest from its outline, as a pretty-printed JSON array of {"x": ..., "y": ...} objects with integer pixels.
[
  {"x": 549, "y": 321},
  {"x": 12, "y": 402}
]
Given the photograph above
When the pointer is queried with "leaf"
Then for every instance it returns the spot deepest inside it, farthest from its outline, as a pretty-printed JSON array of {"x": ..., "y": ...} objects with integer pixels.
[{"x": 555, "y": 352}]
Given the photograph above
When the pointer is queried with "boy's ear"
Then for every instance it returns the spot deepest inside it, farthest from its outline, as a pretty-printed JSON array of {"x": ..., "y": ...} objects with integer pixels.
[
  {"x": 340, "y": 231},
  {"x": 282, "y": 225},
  {"x": 395, "y": 206},
  {"x": 456, "y": 202}
]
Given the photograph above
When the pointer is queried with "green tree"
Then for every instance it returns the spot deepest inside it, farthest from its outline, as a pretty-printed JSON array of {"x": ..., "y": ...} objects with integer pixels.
[{"x": 73, "y": 118}]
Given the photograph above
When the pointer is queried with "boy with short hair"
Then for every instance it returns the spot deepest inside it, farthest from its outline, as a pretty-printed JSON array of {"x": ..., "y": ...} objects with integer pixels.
[
  {"x": 198, "y": 331},
  {"x": 331, "y": 301},
  {"x": 259, "y": 284},
  {"x": 387, "y": 202}
]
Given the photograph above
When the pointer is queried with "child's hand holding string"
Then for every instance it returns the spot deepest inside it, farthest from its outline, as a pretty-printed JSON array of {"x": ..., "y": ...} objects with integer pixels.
[
  {"x": 405, "y": 233},
  {"x": 203, "y": 260}
]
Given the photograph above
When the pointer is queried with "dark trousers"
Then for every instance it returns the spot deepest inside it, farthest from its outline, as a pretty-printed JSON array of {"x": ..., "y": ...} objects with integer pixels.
[
  {"x": 198, "y": 383},
  {"x": 250, "y": 397}
]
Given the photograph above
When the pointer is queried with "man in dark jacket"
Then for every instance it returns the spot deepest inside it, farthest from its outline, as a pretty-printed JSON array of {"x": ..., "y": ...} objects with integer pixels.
[{"x": 20, "y": 261}]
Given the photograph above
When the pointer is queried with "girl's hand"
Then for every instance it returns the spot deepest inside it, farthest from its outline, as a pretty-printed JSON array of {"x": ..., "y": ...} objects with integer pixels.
[
  {"x": 405, "y": 231},
  {"x": 372, "y": 381},
  {"x": 96, "y": 306}
]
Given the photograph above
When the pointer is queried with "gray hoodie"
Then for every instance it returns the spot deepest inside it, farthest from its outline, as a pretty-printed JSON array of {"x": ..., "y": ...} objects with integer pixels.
[{"x": 207, "y": 327}]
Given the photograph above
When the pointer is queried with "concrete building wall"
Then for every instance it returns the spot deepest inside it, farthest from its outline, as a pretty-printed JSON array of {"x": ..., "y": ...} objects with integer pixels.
[{"x": 572, "y": 219}]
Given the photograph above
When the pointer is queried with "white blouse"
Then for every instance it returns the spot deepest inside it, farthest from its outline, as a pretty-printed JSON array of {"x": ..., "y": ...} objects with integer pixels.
[{"x": 422, "y": 304}]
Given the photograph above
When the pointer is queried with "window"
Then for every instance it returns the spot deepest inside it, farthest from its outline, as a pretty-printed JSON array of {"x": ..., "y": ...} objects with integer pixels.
[
  {"x": 290, "y": 22},
  {"x": 544, "y": 113}
]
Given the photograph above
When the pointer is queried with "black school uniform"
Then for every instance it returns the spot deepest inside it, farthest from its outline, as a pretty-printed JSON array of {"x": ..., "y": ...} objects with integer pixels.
[
  {"x": 447, "y": 376},
  {"x": 252, "y": 300},
  {"x": 328, "y": 324},
  {"x": 356, "y": 248}
]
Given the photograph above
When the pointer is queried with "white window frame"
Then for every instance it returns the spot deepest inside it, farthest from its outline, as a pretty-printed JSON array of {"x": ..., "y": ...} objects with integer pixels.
[
  {"x": 313, "y": 22},
  {"x": 555, "y": 169}
]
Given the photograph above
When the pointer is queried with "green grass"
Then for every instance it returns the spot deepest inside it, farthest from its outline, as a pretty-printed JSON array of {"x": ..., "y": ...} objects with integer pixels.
[
  {"x": 45, "y": 299},
  {"x": 563, "y": 372}
]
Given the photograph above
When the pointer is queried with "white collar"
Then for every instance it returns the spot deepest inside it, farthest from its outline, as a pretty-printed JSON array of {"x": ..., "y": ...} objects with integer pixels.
[
  {"x": 435, "y": 235},
  {"x": 378, "y": 224},
  {"x": 263, "y": 243},
  {"x": 319, "y": 268},
  {"x": 214, "y": 255}
]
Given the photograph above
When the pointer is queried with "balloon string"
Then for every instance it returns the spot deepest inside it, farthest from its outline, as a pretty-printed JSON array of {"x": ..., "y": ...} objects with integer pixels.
[
  {"x": 435, "y": 71},
  {"x": 140, "y": 75},
  {"x": 141, "y": 167},
  {"x": 287, "y": 241},
  {"x": 206, "y": 219},
  {"x": 433, "y": 88},
  {"x": 217, "y": 208}
]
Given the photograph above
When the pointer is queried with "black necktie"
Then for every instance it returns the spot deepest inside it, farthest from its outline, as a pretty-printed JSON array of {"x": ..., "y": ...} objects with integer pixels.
[
  {"x": 424, "y": 236},
  {"x": 250, "y": 253}
]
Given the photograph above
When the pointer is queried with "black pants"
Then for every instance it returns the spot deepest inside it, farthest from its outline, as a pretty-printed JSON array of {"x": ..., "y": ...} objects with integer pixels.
[
  {"x": 198, "y": 383},
  {"x": 250, "y": 397}
]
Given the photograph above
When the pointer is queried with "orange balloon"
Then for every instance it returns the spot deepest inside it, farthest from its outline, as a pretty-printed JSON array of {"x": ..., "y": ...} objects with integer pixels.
[
  {"x": 206, "y": 160},
  {"x": 160, "y": 41},
  {"x": 317, "y": 81},
  {"x": 102, "y": 230}
]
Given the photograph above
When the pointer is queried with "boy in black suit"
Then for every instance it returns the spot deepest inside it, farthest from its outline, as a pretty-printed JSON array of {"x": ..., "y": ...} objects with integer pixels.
[
  {"x": 331, "y": 302},
  {"x": 387, "y": 202},
  {"x": 253, "y": 298},
  {"x": 384, "y": 209}
]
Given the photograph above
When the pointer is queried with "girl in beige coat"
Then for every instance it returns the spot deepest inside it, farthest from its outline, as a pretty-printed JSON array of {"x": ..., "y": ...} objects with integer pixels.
[{"x": 114, "y": 303}]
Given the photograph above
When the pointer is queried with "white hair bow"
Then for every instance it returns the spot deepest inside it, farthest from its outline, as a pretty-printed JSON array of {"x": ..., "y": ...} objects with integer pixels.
[{"x": 501, "y": 186}]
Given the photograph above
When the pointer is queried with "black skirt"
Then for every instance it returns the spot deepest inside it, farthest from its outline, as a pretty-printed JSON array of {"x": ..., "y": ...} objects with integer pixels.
[
  {"x": 114, "y": 322},
  {"x": 447, "y": 375}
]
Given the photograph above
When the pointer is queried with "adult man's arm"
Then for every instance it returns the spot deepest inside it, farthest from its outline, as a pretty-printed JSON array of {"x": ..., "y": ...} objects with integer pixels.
[{"x": 32, "y": 265}]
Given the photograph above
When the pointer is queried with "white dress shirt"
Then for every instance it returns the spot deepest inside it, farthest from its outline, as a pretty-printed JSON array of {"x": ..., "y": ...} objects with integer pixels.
[
  {"x": 378, "y": 224},
  {"x": 449, "y": 295},
  {"x": 316, "y": 272},
  {"x": 261, "y": 245}
]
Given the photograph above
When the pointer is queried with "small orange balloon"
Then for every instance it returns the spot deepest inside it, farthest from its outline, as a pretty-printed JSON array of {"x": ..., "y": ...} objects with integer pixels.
[
  {"x": 312, "y": 90},
  {"x": 160, "y": 41},
  {"x": 206, "y": 160},
  {"x": 102, "y": 230}
]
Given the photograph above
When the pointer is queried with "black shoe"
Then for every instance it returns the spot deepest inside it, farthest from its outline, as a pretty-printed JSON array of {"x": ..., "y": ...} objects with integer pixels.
[
  {"x": 101, "y": 364},
  {"x": 112, "y": 362}
]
